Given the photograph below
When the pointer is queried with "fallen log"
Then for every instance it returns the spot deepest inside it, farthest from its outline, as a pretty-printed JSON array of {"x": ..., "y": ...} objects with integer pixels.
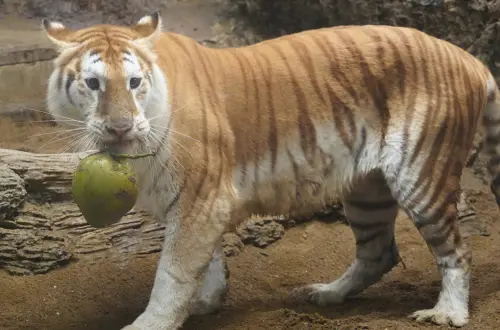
[
  {"x": 47, "y": 177},
  {"x": 42, "y": 229}
]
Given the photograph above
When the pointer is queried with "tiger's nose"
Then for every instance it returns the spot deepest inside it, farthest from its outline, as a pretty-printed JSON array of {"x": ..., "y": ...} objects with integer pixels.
[{"x": 120, "y": 127}]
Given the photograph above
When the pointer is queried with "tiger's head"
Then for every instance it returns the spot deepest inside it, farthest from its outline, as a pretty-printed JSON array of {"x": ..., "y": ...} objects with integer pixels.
[{"x": 106, "y": 78}]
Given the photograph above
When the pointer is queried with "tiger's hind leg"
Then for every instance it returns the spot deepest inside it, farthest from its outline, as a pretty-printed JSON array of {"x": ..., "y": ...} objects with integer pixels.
[
  {"x": 433, "y": 209},
  {"x": 371, "y": 212}
]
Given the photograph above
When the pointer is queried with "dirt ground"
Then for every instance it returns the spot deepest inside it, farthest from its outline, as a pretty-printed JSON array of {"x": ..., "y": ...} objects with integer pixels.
[{"x": 108, "y": 296}]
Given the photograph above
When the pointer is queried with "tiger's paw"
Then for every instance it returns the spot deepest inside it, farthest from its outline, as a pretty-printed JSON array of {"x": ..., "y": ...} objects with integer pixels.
[
  {"x": 205, "y": 307},
  {"x": 439, "y": 317},
  {"x": 317, "y": 294}
]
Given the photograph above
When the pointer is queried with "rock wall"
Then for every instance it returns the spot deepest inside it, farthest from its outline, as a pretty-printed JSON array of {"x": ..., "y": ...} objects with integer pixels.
[
  {"x": 84, "y": 11},
  {"x": 470, "y": 24}
]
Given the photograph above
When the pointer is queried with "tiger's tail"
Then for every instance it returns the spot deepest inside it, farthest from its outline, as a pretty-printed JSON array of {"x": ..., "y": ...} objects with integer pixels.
[{"x": 492, "y": 138}]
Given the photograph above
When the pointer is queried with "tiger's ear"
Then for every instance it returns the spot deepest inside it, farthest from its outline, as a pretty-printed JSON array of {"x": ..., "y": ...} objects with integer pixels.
[
  {"x": 149, "y": 28},
  {"x": 58, "y": 34}
]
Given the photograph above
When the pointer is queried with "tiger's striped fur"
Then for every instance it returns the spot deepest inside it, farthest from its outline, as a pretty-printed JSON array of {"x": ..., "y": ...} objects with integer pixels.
[{"x": 382, "y": 116}]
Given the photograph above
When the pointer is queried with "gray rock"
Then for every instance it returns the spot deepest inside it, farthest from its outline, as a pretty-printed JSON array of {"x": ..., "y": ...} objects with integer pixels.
[
  {"x": 261, "y": 232},
  {"x": 231, "y": 245},
  {"x": 12, "y": 193}
]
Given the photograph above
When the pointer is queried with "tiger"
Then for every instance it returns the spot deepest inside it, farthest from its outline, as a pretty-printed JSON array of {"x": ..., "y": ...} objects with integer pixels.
[{"x": 381, "y": 117}]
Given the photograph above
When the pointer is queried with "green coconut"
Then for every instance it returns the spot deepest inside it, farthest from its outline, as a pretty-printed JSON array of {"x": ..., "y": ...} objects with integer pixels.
[{"x": 104, "y": 188}]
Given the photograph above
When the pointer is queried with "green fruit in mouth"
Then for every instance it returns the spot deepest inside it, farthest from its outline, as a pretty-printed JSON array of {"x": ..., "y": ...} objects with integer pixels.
[{"x": 104, "y": 188}]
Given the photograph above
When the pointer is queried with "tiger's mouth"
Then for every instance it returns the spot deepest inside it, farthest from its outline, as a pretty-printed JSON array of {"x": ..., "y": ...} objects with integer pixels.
[{"x": 119, "y": 146}]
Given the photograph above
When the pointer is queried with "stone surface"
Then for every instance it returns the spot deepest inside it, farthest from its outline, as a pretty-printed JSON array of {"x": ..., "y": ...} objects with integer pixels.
[
  {"x": 232, "y": 245},
  {"x": 12, "y": 193},
  {"x": 261, "y": 232},
  {"x": 45, "y": 237},
  {"x": 471, "y": 24},
  {"x": 46, "y": 177},
  {"x": 22, "y": 41},
  {"x": 25, "y": 65}
]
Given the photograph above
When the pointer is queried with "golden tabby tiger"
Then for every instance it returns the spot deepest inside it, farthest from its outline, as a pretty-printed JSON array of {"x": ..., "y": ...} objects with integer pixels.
[{"x": 382, "y": 115}]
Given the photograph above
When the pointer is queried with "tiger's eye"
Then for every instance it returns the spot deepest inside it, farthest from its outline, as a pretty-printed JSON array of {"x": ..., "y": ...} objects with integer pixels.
[
  {"x": 135, "y": 82},
  {"x": 92, "y": 83}
]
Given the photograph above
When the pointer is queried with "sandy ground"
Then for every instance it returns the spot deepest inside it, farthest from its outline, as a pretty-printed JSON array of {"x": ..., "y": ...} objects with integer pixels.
[{"x": 108, "y": 296}]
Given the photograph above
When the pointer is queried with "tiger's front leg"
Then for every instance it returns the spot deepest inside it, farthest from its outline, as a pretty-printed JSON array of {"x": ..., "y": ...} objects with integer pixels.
[
  {"x": 184, "y": 261},
  {"x": 214, "y": 288}
]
